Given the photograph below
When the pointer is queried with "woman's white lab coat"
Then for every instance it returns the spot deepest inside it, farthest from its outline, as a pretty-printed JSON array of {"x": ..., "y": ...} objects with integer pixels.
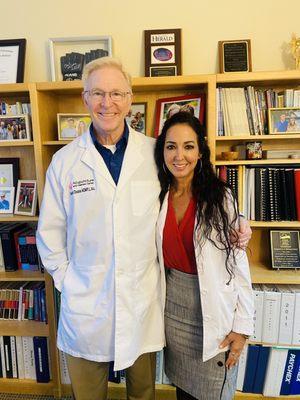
[{"x": 224, "y": 307}]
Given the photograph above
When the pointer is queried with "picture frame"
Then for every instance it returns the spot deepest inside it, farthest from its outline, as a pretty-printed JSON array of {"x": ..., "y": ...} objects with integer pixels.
[
  {"x": 15, "y": 128},
  {"x": 285, "y": 249},
  {"x": 69, "y": 55},
  {"x": 162, "y": 52},
  {"x": 9, "y": 172},
  {"x": 12, "y": 60},
  {"x": 168, "y": 106},
  {"x": 137, "y": 117},
  {"x": 235, "y": 56},
  {"x": 70, "y": 126},
  {"x": 7, "y": 200},
  {"x": 26, "y": 197},
  {"x": 284, "y": 120}
]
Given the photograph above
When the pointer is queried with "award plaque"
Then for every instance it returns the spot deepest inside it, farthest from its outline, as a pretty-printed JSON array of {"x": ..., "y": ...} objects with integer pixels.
[
  {"x": 235, "y": 56},
  {"x": 285, "y": 251},
  {"x": 163, "y": 52}
]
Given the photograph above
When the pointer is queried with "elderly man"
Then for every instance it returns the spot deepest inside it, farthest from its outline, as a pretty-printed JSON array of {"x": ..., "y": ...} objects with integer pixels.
[{"x": 96, "y": 237}]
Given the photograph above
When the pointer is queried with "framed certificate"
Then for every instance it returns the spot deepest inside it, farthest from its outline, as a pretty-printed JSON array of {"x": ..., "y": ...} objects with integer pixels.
[{"x": 12, "y": 58}]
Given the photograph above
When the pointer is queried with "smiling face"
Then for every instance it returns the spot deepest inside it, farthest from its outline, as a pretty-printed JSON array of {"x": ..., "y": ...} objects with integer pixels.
[
  {"x": 181, "y": 152},
  {"x": 107, "y": 116}
]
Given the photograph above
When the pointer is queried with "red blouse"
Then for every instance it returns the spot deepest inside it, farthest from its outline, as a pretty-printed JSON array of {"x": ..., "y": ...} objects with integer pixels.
[{"x": 178, "y": 245}]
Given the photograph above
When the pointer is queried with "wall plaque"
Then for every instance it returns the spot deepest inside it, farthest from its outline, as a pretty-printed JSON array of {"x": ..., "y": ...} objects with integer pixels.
[
  {"x": 235, "y": 56},
  {"x": 285, "y": 249},
  {"x": 163, "y": 52}
]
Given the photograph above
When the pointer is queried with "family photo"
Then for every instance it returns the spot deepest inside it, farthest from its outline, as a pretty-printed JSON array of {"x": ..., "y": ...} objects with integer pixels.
[
  {"x": 14, "y": 127},
  {"x": 70, "y": 126}
]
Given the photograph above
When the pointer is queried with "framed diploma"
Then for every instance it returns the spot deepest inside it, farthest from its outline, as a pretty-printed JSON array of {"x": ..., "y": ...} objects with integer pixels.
[
  {"x": 12, "y": 59},
  {"x": 285, "y": 249},
  {"x": 163, "y": 52},
  {"x": 235, "y": 56}
]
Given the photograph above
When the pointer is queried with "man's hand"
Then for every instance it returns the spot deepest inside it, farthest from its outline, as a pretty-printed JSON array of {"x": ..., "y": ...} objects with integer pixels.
[
  {"x": 242, "y": 237},
  {"x": 236, "y": 342}
]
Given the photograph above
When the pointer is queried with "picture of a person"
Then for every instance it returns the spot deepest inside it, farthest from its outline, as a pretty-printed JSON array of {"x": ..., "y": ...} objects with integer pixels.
[
  {"x": 292, "y": 124},
  {"x": 70, "y": 130},
  {"x": 282, "y": 124},
  {"x": 4, "y": 204}
]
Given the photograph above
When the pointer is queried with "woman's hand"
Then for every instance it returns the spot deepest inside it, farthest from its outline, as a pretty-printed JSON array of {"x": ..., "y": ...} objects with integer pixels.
[
  {"x": 243, "y": 235},
  {"x": 236, "y": 342}
]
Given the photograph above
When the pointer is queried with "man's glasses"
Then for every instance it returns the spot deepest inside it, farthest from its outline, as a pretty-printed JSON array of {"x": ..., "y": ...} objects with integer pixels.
[{"x": 98, "y": 95}]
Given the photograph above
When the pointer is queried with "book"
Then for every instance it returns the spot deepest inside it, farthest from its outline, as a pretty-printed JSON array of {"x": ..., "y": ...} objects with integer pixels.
[
  {"x": 258, "y": 313},
  {"x": 275, "y": 371},
  {"x": 260, "y": 373},
  {"x": 29, "y": 361},
  {"x": 7, "y": 355},
  {"x": 20, "y": 357},
  {"x": 251, "y": 366},
  {"x": 64, "y": 373},
  {"x": 286, "y": 314},
  {"x": 2, "y": 352},
  {"x": 295, "y": 385},
  {"x": 8, "y": 246},
  {"x": 272, "y": 303},
  {"x": 41, "y": 359},
  {"x": 288, "y": 372},
  {"x": 296, "y": 327},
  {"x": 297, "y": 192},
  {"x": 242, "y": 368}
]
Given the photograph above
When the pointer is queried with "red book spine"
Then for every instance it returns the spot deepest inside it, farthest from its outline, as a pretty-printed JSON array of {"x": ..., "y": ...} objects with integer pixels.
[{"x": 297, "y": 191}]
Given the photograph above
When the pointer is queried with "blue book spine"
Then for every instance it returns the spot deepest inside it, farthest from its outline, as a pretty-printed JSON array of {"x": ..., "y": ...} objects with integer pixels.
[
  {"x": 41, "y": 359},
  {"x": 251, "y": 366},
  {"x": 295, "y": 386},
  {"x": 43, "y": 305},
  {"x": 260, "y": 374},
  {"x": 288, "y": 372}
]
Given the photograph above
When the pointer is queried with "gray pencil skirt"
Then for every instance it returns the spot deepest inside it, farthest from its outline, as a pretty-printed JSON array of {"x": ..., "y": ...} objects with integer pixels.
[{"x": 209, "y": 380}]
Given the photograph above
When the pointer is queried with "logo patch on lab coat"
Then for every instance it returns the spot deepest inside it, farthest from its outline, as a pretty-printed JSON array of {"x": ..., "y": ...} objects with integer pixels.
[{"x": 81, "y": 186}]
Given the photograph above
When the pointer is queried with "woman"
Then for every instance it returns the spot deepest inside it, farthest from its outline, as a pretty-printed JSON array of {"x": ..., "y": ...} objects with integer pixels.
[{"x": 209, "y": 304}]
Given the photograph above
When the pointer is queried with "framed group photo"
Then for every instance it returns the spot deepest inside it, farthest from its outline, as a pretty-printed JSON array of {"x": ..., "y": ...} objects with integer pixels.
[
  {"x": 70, "y": 126},
  {"x": 284, "y": 120},
  {"x": 15, "y": 127},
  {"x": 165, "y": 108},
  {"x": 26, "y": 197},
  {"x": 136, "y": 117}
]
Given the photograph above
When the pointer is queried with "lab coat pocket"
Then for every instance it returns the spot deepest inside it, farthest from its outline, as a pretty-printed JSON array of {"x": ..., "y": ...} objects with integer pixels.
[
  {"x": 84, "y": 289},
  {"x": 148, "y": 288},
  {"x": 144, "y": 197}
]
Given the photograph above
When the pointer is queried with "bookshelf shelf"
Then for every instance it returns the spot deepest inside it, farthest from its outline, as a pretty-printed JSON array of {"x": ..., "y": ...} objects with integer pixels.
[
  {"x": 17, "y": 218},
  {"x": 22, "y": 275},
  {"x": 275, "y": 224},
  {"x": 56, "y": 142},
  {"x": 258, "y": 162},
  {"x": 25, "y": 386},
  {"x": 24, "y": 328},
  {"x": 256, "y": 137},
  {"x": 261, "y": 273},
  {"x": 15, "y": 143}
]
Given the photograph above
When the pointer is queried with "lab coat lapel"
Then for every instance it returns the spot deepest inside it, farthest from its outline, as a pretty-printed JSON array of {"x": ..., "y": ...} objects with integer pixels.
[{"x": 93, "y": 159}]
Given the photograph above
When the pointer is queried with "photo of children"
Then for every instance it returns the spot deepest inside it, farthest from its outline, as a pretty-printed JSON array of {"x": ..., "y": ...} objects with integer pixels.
[{"x": 136, "y": 117}]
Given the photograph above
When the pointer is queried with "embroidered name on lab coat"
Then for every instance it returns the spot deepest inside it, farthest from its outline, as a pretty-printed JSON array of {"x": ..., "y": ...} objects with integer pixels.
[{"x": 82, "y": 186}]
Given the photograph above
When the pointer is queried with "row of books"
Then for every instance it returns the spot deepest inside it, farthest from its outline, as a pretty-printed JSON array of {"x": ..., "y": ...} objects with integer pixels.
[
  {"x": 244, "y": 110},
  {"x": 265, "y": 193},
  {"x": 25, "y": 357},
  {"x": 18, "y": 248},
  {"x": 23, "y": 301},
  {"x": 269, "y": 371},
  {"x": 118, "y": 376},
  {"x": 15, "y": 109},
  {"x": 277, "y": 311}
]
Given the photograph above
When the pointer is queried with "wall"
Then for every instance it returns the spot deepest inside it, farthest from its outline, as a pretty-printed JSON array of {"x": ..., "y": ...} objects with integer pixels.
[{"x": 268, "y": 23}]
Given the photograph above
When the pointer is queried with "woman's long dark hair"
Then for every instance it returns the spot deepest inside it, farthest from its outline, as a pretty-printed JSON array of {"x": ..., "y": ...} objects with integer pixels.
[{"x": 213, "y": 196}]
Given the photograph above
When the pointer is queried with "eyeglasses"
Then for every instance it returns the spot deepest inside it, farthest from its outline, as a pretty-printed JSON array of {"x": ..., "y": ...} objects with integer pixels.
[{"x": 98, "y": 95}]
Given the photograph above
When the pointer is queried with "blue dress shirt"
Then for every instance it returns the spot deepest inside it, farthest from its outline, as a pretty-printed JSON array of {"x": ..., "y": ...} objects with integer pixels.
[{"x": 112, "y": 160}]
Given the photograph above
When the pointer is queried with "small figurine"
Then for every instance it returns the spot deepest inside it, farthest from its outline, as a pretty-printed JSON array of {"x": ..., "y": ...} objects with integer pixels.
[{"x": 295, "y": 49}]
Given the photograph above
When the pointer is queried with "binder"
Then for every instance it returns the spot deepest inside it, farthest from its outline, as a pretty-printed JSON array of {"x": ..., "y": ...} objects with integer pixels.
[{"x": 260, "y": 373}]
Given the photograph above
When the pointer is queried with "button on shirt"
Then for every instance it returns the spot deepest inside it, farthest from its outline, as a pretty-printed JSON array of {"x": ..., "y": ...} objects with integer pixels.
[{"x": 113, "y": 160}]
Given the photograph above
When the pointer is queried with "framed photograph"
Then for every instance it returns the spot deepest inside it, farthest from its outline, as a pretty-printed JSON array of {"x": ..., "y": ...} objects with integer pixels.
[
  {"x": 26, "y": 197},
  {"x": 285, "y": 249},
  {"x": 69, "y": 55},
  {"x": 15, "y": 127},
  {"x": 162, "y": 52},
  {"x": 9, "y": 172},
  {"x": 165, "y": 108},
  {"x": 235, "y": 56},
  {"x": 284, "y": 120},
  {"x": 7, "y": 198},
  {"x": 136, "y": 117},
  {"x": 70, "y": 126},
  {"x": 12, "y": 60}
]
